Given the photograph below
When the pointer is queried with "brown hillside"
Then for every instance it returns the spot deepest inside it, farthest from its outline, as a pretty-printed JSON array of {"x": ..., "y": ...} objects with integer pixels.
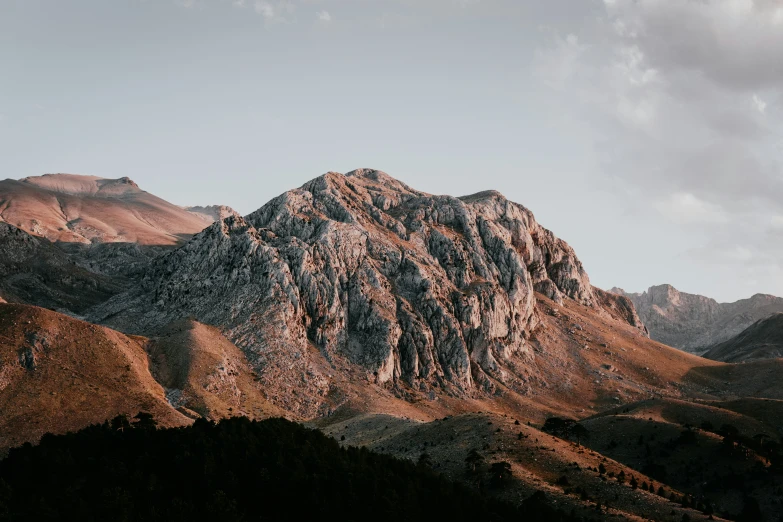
[
  {"x": 59, "y": 374},
  {"x": 204, "y": 372},
  {"x": 85, "y": 209}
]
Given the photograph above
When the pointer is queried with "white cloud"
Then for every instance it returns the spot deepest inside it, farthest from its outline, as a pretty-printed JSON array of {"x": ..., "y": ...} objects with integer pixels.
[
  {"x": 659, "y": 81},
  {"x": 684, "y": 207},
  {"x": 556, "y": 65},
  {"x": 274, "y": 11},
  {"x": 740, "y": 253},
  {"x": 776, "y": 222},
  {"x": 324, "y": 16},
  {"x": 265, "y": 9},
  {"x": 760, "y": 104}
]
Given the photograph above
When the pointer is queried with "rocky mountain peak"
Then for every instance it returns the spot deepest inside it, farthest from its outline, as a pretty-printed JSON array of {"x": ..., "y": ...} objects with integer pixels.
[
  {"x": 664, "y": 295},
  {"x": 428, "y": 290}
]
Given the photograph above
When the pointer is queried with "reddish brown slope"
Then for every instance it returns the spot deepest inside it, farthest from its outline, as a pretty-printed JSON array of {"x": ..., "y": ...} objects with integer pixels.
[
  {"x": 84, "y": 209},
  {"x": 59, "y": 374},
  {"x": 204, "y": 372}
]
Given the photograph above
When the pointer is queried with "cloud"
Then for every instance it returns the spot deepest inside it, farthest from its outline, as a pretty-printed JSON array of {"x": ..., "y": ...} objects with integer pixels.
[
  {"x": 734, "y": 43},
  {"x": 760, "y": 104},
  {"x": 274, "y": 12},
  {"x": 324, "y": 16},
  {"x": 684, "y": 207},
  {"x": 683, "y": 101},
  {"x": 657, "y": 80},
  {"x": 557, "y": 64},
  {"x": 265, "y": 9}
]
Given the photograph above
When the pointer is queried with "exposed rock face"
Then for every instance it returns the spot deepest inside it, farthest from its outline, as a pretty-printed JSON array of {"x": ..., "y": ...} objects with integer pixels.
[
  {"x": 620, "y": 307},
  {"x": 430, "y": 290},
  {"x": 212, "y": 213},
  {"x": 761, "y": 340},
  {"x": 694, "y": 322}
]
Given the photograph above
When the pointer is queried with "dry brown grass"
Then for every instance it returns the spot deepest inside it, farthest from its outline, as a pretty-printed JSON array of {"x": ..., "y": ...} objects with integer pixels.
[{"x": 83, "y": 374}]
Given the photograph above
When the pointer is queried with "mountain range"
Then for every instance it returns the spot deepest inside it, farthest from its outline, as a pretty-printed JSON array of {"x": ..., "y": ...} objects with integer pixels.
[
  {"x": 389, "y": 318},
  {"x": 761, "y": 340},
  {"x": 695, "y": 323}
]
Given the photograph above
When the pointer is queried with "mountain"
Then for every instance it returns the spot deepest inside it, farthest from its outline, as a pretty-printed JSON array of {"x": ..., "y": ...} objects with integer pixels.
[
  {"x": 87, "y": 209},
  {"x": 457, "y": 332},
  {"x": 60, "y": 374},
  {"x": 694, "y": 322},
  {"x": 34, "y": 271},
  {"x": 205, "y": 373},
  {"x": 435, "y": 292},
  {"x": 761, "y": 340}
]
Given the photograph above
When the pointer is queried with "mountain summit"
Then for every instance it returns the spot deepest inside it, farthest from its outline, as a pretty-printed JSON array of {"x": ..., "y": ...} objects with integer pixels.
[
  {"x": 693, "y": 322},
  {"x": 435, "y": 291},
  {"x": 87, "y": 209}
]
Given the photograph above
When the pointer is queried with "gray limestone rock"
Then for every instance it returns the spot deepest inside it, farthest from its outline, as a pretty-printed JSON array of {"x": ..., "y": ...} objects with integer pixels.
[{"x": 412, "y": 287}]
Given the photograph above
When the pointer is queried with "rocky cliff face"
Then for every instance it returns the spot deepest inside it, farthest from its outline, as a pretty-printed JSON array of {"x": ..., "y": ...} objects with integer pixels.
[
  {"x": 694, "y": 322},
  {"x": 431, "y": 291},
  {"x": 212, "y": 213}
]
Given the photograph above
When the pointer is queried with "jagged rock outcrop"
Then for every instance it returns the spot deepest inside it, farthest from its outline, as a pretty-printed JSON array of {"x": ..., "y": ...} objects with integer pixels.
[
  {"x": 693, "y": 322},
  {"x": 212, "y": 213},
  {"x": 428, "y": 290},
  {"x": 620, "y": 307}
]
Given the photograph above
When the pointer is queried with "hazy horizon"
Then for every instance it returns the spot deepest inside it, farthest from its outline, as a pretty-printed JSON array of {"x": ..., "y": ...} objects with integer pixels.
[{"x": 645, "y": 134}]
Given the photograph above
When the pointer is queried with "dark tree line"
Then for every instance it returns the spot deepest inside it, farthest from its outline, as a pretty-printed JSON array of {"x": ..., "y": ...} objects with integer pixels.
[{"x": 236, "y": 470}]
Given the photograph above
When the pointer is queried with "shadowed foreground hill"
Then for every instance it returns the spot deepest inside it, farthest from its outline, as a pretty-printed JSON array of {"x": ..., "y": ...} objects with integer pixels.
[{"x": 235, "y": 470}]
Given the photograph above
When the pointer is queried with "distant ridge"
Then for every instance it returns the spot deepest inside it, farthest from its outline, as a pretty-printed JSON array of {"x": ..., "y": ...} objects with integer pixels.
[
  {"x": 694, "y": 322},
  {"x": 761, "y": 340},
  {"x": 87, "y": 209}
]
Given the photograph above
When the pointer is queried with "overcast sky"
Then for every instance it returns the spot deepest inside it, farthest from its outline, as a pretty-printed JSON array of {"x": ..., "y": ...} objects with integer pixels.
[{"x": 646, "y": 133}]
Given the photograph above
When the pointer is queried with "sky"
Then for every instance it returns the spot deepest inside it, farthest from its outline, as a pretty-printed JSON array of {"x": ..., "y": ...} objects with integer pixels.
[{"x": 646, "y": 133}]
